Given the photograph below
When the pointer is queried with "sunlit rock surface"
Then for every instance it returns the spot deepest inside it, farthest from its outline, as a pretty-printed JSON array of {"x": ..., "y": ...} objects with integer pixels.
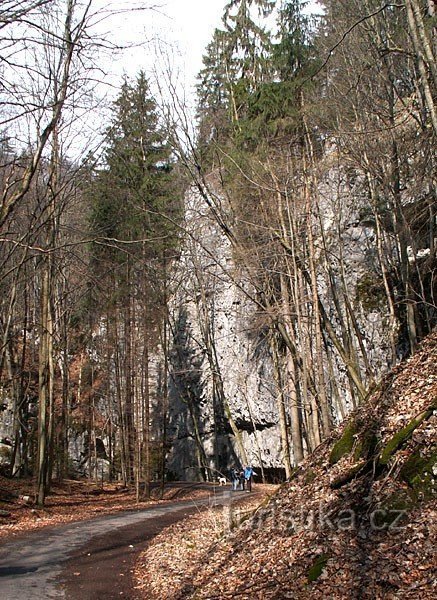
[
  {"x": 218, "y": 334},
  {"x": 218, "y": 362}
]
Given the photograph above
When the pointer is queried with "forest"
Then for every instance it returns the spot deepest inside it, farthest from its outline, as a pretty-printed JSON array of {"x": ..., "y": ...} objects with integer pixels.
[{"x": 189, "y": 292}]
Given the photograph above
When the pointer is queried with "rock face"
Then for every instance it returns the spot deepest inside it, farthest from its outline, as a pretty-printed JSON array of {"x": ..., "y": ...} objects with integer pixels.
[
  {"x": 221, "y": 372},
  {"x": 223, "y": 403},
  {"x": 349, "y": 524},
  {"x": 350, "y": 238},
  {"x": 6, "y": 428},
  {"x": 5, "y": 454},
  {"x": 223, "y": 391}
]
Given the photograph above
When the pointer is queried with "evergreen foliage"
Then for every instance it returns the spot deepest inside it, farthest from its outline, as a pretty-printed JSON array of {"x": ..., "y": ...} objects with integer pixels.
[
  {"x": 251, "y": 85},
  {"x": 312, "y": 135},
  {"x": 236, "y": 65},
  {"x": 134, "y": 204}
]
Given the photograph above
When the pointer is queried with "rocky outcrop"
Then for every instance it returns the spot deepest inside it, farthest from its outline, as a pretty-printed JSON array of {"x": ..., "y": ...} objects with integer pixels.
[{"x": 222, "y": 392}]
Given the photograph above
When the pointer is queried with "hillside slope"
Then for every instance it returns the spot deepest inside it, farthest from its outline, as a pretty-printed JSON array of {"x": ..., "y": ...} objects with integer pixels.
[{"x": 357, "y": 520}]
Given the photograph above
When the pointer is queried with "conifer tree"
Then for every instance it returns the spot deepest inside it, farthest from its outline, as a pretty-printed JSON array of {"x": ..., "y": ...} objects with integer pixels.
[
  {"x": 237, "y": 62},
  {"x": 274, "y": 110},
  {"x": 247, "y": 51},
  {"x": 138, "y": 166},
  {"x": 213, "y": 92},
  {"x": 292, "y": 53},
  {"x": 133, "y": 209}
]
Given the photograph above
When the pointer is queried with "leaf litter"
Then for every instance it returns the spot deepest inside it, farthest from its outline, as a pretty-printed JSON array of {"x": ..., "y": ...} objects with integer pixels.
[{"x": 356, "y": 527}]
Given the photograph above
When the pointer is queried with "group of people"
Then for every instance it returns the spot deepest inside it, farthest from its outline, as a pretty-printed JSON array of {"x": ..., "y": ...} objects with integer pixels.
[{"x": 242, "y": 479}]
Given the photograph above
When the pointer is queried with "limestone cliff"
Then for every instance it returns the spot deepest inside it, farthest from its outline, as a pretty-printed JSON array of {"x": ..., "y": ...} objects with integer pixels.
[{"x": 223, "y": 405}]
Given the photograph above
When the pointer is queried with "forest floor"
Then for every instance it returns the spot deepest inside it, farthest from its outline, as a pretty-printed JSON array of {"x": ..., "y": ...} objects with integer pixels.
[
  {"x": 84, "y": 544},
  {"x": 357, "y": 520},
  {"x": 173, "y": 557},
  {"x": 74, "y": 500}
]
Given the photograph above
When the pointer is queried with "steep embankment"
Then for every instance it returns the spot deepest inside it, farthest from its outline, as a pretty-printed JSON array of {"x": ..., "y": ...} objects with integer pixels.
[{"x": 357, "y": 520}]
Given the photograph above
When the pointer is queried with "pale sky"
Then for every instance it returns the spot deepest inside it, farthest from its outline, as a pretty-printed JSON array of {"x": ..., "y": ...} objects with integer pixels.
[
  {"x": 179, "y": 28},
  {"x": 164, "y": 38},
  {"x": 170, "y": 37}
]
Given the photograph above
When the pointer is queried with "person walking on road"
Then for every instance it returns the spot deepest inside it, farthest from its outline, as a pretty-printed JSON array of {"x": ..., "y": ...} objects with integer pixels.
[{"x": 248, "y": 475}]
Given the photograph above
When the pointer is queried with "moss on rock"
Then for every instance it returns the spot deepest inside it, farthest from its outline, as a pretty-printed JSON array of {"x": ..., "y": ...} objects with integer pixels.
[
  {"x": 366, "y": 446},
  {"x": 393, "y": 511},
  {"x": 402, "y": 436},
  {"x": 418, "y": 471},
  {"x": 310, "y": 476},
  {"x": 370, "y": 293},
  {"x": 317, "y": 567},
  {"x": 344, "y": 445}
]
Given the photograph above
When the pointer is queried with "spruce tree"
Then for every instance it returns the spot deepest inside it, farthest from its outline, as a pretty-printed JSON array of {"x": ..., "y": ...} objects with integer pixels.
[
  {"x": 247, "y": 51},
  {"x": 213, "y": 92},
  {"x": 134, "y": 214},
  {"x": 294, "y": 51},
  {"x": 133, "y": 196},
  {"x": 236, "y": 65}
]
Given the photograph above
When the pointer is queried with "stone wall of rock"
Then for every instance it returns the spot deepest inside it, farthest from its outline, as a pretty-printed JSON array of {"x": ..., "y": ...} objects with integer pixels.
[
  {"x": 221, "y": 376},
  {"x": 216, "y": 344},
  {"x": 212, "y": 306}
]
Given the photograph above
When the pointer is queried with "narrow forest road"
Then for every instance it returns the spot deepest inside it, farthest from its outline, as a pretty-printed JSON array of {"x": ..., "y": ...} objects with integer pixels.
[{"x": 88, "y": 560}]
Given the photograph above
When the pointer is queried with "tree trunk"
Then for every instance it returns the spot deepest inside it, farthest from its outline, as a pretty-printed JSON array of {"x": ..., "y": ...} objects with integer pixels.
[
  {"x": 422, "y": 48},
  {"x": 295, "y": 409},
  {"x": 285, "y": 444},
  {"x": 45, "y": 396}
]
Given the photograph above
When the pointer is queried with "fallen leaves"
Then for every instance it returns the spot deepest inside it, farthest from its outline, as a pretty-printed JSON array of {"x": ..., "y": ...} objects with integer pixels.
[
  {"x": 168, "y": 565},
  {"x": 71, "y": 501},
  {"x": 372, "y": 537}
]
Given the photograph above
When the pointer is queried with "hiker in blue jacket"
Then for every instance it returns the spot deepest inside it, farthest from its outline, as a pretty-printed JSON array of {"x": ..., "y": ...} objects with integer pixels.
[{"x": 248, "y": 474}]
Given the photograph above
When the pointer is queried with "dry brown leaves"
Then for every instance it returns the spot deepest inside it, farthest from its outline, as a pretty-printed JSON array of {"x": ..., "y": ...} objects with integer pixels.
[
  {"x": 307, "y": 523},
  {"x": 167, "y": 567},
  {"x": 70, "y": 501}
]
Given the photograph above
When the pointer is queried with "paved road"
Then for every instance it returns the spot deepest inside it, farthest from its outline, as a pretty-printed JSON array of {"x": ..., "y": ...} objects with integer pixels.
[{"x": 31, "y": 568}]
